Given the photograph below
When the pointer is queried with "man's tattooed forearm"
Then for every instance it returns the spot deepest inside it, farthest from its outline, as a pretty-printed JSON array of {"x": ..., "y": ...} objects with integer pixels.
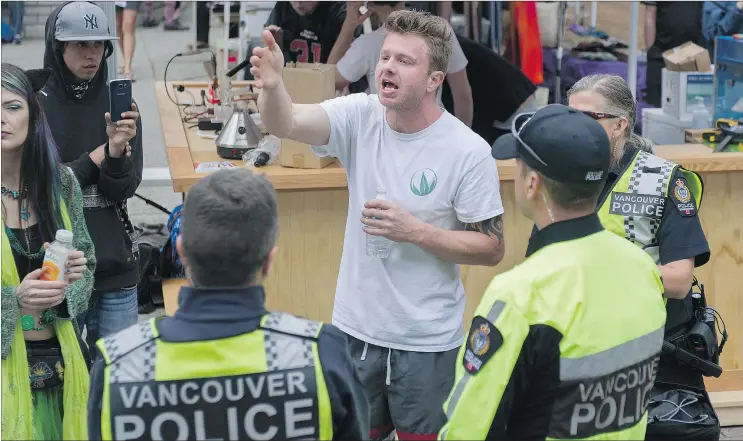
[{"x": 491, "y": 227}]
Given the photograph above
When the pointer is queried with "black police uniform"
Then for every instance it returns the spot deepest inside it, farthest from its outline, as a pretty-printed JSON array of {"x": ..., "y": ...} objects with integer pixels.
[
  {"x": 680, "y": 236},
  {"x": 209, "y": 314}
]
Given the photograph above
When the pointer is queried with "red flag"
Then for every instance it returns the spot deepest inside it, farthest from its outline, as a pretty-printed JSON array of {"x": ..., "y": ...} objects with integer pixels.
[{"x": 525, "y": 31}]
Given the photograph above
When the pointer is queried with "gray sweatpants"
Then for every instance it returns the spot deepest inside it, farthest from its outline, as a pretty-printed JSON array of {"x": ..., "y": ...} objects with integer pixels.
[{"x": 406, "y": 390}]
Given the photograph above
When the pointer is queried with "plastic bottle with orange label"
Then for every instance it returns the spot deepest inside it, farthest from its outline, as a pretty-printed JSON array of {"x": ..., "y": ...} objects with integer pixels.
[{"x": 55, "y": 257}]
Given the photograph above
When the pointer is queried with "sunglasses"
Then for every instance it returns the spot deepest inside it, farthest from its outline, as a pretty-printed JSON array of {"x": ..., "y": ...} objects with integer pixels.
[
  {"x": 598, "y": 115},
  {"x": 515, "y": 133}
]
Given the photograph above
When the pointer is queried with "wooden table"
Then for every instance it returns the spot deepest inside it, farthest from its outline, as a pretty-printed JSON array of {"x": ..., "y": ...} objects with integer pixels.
[{"x": 312, "y": 215}]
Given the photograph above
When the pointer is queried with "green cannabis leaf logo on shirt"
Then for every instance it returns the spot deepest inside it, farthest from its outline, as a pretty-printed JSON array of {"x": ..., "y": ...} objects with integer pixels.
[{"x": 423, "y": 182}]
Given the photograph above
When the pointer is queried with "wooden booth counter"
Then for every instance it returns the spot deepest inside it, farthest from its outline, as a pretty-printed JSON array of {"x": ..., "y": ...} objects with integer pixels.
[{"x": 312, "y": 215}]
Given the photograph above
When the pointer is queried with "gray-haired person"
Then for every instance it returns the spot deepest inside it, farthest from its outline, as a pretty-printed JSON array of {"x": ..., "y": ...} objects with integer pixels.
[
  {"x": 663, "y": 220},
  {"x": 229, "y": 368}
]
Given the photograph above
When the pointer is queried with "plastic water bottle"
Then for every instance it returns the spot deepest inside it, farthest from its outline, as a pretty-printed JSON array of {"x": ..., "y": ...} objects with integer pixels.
[
  {"x": 700, "y": 117},
  {"x": 55, "y": 256},
  {"x": 378, "y": 246}
]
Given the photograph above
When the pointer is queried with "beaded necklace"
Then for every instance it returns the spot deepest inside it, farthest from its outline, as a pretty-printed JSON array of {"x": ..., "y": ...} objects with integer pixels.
[
  {"x": 48, "y": 316},
  {"x": 15, "y": 195}
]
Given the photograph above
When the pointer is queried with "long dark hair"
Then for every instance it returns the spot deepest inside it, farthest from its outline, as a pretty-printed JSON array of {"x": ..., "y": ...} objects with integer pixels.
[{"x": 40, "y": 163}]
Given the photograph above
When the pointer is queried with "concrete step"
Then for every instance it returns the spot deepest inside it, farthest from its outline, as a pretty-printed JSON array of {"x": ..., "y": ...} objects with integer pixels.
[
  {"x": 33, "y": 30},
  {"x": 34, "y": 17}
]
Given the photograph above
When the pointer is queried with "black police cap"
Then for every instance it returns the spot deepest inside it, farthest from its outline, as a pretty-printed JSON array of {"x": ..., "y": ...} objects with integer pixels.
[{"x": 560, "y": 142}]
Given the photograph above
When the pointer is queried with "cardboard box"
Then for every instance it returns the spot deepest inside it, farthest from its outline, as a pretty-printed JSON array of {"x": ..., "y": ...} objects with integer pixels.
[
  {"x": 309, "y": 83},
  {"x": 687, "y": 58},
  {"x": 680, "y": 90},
  {"x": 306, "y": 84}
]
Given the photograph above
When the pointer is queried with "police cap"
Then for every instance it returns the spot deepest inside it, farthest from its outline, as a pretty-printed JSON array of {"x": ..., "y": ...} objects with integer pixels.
[{"x": 559, "y": 142}]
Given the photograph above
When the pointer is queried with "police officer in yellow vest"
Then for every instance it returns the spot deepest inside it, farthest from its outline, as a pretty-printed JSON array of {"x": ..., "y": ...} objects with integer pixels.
[
  {"x": 223, "y": 367},
  {"x": 566, "y": 344},
  {"x": 651, "y": 202}
]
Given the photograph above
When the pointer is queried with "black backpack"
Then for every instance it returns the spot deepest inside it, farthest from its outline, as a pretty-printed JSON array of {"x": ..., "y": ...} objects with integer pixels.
[
  {"x": 150, "y": 286},
  {"x": 152, "y": 262},
  {"x": 680, "y": 412}
]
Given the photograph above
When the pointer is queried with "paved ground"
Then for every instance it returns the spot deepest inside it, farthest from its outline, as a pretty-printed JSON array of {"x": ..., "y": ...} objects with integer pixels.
[{"x": 154, "y": 47}]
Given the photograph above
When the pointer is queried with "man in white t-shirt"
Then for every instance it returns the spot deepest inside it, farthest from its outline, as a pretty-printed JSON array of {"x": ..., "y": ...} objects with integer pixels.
[
  {"x": 402, "y": 314},
  {"x": 362, "y": 57}
]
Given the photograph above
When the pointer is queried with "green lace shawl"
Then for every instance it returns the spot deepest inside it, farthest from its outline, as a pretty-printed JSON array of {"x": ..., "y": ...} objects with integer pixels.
[{"x": 78, "y": 293}]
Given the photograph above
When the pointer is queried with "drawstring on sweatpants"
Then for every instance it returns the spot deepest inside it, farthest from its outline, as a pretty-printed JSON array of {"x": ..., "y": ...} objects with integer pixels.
[
  {"x": 389, "y": 361},
  {"x": 389, "y": 365}
]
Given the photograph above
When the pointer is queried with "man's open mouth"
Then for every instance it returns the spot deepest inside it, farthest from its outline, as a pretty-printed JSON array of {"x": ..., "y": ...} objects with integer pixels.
[{"x": 389, "y": 85}]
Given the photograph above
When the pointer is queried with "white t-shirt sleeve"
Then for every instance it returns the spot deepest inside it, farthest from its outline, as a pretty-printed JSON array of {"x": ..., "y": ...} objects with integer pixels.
[
  {"x": 357, "y": 61},
  {"x": 458, "y": 61},
  {"x": 478, "y": 196},
  {"x": 345, "y": 114}
]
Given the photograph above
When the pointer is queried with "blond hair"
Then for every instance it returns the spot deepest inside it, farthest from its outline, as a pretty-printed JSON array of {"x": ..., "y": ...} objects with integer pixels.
[{"x": 434, "y": 30}]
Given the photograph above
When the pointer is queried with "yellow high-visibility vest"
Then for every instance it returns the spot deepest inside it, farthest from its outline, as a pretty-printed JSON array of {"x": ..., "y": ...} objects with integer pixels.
[
  {"x": 604, "y": 297},
  {"x": 634, "y": 207},
  {"x": 265, "y": 384}
]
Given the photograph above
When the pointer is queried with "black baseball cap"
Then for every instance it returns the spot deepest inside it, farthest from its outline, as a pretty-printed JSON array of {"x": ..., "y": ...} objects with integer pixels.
[{"x": 560, "y": 142}]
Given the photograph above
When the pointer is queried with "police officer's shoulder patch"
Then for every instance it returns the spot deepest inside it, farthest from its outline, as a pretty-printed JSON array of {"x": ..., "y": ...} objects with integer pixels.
[
  {"x": 483, "y": 341},
  {"x": 682, "y": 198}
]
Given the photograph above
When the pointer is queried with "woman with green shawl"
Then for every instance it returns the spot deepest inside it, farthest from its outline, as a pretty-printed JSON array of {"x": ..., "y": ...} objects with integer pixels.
[{"x": 45, "y": 380}]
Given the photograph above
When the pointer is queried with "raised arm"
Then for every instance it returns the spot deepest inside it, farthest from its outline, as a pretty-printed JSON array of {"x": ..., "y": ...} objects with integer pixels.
[
  {"x": 345, "y": 21},
  {"x": 86, "y": 168},
  {"x": 307, "y": 123},
  {"x": 456, "y": 76},
  {"x": 461, "y": 95},
  {"x": 651, "y": 11},
  {"x": 121, "y": 173}
]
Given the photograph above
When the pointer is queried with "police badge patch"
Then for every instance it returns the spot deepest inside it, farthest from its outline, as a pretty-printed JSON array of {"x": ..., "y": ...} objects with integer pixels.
[
  {"x": 683, "y": 199},
  {"x": 483, "y": 341}
]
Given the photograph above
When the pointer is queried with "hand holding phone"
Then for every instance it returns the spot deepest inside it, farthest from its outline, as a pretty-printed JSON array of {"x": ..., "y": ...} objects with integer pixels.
[
  {"x": 121, "y": 121},
  {"x": 120, "y": 98}
]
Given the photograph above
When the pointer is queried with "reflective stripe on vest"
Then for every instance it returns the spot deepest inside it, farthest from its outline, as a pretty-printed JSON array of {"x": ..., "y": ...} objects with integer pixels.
[
  {"x": 607, "y": 391},
  {"x": 606, "y": 368},
  {"x": 634, "y": 207},
  {"x": 603, "y": 363},
  {"x": 266, "y": 384}
]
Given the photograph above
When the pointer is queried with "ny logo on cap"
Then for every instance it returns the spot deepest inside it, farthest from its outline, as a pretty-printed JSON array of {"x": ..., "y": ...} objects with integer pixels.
[{"x": 91, "y": 21}]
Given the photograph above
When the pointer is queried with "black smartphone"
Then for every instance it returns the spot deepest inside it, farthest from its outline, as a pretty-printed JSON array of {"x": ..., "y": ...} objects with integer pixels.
[{"x": 120, "y": 98}]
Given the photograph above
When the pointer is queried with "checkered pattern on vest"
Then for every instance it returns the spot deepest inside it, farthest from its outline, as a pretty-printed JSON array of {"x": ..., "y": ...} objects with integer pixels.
[
  {"x": 288, "y": 341},
  {"x": 651, "y": 175},
  {"x": 132, "y": 354}
]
